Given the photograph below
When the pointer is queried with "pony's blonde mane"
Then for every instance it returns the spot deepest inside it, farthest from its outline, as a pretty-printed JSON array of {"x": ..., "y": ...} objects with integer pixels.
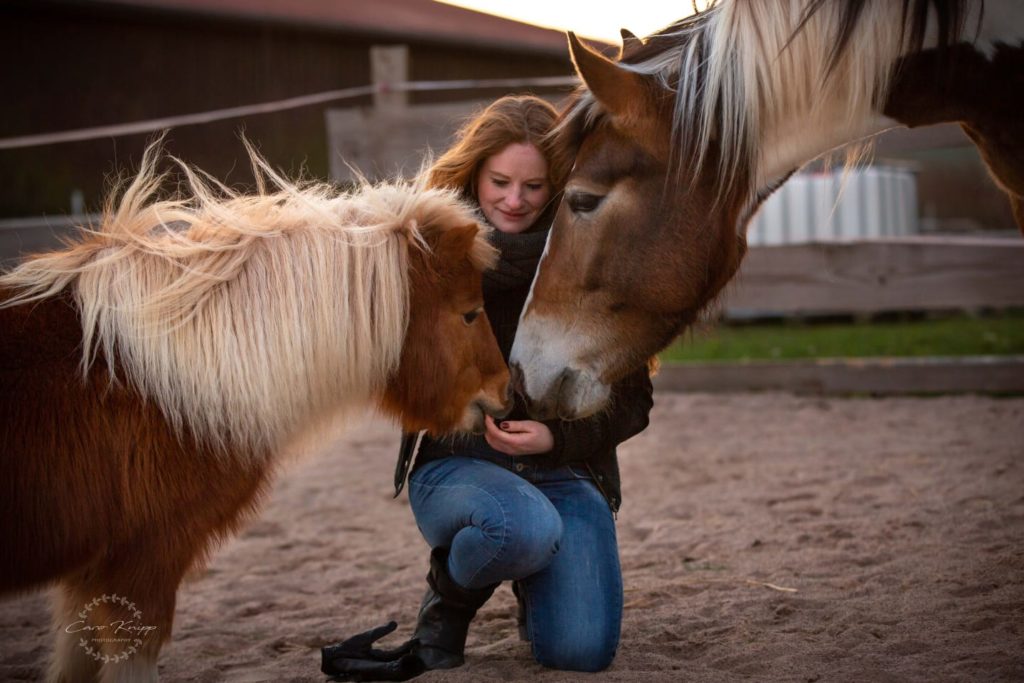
[
  {"x": 742, "y": 70},
  {"x": 244, "y": 316}
]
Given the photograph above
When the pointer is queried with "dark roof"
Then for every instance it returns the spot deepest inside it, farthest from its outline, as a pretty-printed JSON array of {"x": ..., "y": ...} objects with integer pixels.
[{"x": 415, "y": 19}]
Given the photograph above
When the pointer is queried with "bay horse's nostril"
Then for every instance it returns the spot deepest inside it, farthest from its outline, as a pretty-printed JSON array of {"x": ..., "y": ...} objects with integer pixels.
[
  {"x": 516, "y": 379},
  {"x": 566, "y": 382},
  {"x": 567, "y": 378}
]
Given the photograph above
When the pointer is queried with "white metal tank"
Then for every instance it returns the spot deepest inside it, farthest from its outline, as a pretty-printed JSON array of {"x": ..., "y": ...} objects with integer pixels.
[{"x": 865, "y": 203}]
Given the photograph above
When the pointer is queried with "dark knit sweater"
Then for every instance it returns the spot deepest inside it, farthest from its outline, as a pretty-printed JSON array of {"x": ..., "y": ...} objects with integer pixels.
[{"x": 588, "y": 444}]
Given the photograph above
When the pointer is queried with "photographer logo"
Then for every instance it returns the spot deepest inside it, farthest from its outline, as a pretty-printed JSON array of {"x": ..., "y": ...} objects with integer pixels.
[{"x": 110, "y": 628}]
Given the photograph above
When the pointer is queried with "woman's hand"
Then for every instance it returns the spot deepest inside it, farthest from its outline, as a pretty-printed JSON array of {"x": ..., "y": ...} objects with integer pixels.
[{"x": 518, "y": 437}]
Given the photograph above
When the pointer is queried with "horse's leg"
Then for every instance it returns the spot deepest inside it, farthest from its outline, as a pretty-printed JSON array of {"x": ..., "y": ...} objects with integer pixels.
[
  {"x": 982, "y": 94},
  {"x": 1017, "y": 203},
  {"x": 70, "y": 662},
  {"x": 1003, "y": 154}
]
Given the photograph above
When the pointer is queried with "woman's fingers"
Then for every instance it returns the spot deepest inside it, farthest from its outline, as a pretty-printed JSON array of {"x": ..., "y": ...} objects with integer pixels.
[{"x": 523, "y": 437}]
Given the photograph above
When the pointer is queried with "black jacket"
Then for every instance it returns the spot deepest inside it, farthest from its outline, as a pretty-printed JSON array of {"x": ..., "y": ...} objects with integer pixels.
[{"x": 590, "y": 443}]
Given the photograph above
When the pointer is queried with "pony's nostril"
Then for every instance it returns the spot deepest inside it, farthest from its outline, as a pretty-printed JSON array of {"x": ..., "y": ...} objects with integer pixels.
[{"x": 503, "y": 412}]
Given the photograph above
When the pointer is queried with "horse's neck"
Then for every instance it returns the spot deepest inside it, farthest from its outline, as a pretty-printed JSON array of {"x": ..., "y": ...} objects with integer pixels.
[
  {"x": 924, "y": 92},
  {"x": 798, "y": 141},
  {"x": 1002, "y": 21},
  {"x": 978, "y": 83}
]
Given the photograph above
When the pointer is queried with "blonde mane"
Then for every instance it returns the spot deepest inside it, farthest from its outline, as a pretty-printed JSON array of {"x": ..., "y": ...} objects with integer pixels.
[
  {"x": 244, "y": 316},
  {"x": 752, "y": 74}
]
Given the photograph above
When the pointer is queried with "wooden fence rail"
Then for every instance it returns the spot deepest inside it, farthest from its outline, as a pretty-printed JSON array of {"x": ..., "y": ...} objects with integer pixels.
[
  {"x": 863, "y": 278},
  {"x": 841, "y": 376}
]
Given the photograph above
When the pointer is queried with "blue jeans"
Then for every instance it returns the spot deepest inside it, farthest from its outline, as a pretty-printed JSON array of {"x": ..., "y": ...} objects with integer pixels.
[{"x": 550, "y": 530}]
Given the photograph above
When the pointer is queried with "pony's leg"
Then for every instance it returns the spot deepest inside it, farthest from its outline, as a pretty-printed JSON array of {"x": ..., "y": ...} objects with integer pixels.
[
  {"x": 140, "y": 668},
  {"x": 70, "y": 663},
  {"x": 140, "y": 664},
  {"x": 153, "y": 590},
  {"x": 140, "y": 580}
]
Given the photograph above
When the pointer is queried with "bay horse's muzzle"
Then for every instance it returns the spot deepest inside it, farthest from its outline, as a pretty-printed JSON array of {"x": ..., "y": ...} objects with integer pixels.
[{"x": 556, "y": 401}]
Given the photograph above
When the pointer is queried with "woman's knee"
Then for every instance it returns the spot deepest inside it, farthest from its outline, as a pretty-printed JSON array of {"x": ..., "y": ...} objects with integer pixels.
[
  {"x": 506, "y": 540},
  {"x": 533, "y": 534},
  {"x": 577, "y": 654},
  {"x": 578, "y": 635}
]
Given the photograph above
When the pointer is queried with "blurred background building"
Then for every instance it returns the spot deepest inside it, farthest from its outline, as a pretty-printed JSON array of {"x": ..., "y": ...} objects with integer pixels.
[
  {"x": 83, "y": 63},
  {"x": 75, "y": 64}
]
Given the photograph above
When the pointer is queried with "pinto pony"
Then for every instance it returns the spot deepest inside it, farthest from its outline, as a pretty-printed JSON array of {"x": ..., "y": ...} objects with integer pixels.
[
  {"x": 151, "y": 374},
  {"x": 678, "y": 142}
]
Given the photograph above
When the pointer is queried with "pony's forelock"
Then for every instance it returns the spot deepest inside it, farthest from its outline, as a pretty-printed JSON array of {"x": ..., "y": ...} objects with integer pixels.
[{"x": 243, "y": 316}]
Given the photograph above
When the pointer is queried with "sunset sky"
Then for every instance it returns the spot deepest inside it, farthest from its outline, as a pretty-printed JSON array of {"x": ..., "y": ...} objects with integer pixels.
[{"x": 591, "y": 18}]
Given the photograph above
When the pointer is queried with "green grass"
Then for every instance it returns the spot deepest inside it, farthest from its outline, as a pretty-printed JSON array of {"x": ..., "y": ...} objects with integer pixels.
[{"x": 954, "y": 336}]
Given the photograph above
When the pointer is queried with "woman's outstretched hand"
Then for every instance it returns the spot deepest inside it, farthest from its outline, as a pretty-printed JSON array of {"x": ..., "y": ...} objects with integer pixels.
[{"x": 518, "y": 437}]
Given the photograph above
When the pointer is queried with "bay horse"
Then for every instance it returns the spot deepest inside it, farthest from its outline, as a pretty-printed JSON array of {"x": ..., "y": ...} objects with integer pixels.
[
  {"x": 678, "y": 142},
  {"x": 152, "y": 374}
]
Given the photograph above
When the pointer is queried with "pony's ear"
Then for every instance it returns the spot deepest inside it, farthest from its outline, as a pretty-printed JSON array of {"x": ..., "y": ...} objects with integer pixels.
[
  {"x": 454, "y": 243},
  {"x": 631, "y": 99},
  {"x": 630, "y": 44}
]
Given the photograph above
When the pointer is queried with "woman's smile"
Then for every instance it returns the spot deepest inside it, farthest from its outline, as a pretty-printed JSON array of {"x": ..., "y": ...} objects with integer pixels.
[{"x": 513, "y": 187}]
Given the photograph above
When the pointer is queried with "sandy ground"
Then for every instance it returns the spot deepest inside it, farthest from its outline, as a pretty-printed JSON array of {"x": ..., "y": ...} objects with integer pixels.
[{"x": 764, "y": 537}]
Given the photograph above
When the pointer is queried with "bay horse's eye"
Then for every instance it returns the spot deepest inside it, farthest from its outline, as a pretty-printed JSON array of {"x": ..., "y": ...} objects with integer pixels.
[
  {"x": 471, "y": 316},
  {"x": 583, "y": 202}
]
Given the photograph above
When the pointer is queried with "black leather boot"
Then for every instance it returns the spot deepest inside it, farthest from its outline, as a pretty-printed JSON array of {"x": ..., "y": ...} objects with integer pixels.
[
  {"x": 447, "y": 609},
  {"x": 524, "y": 630},
  {"x": 438, "y": 643}
]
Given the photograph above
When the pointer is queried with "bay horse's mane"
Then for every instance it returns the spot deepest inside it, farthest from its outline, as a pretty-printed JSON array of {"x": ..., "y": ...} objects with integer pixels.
[
  {"x": 203, "y": 301},
  {"x": 740, "y": 69}
]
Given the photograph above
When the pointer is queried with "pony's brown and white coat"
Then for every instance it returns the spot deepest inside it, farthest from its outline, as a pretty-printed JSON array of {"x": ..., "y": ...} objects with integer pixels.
[
  {"x": 151, "y": 373},
  {"x": 242, "y": 316}
]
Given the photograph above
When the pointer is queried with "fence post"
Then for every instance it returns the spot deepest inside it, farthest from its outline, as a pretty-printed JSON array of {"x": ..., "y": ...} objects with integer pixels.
[{"x": 389, "y": 64}]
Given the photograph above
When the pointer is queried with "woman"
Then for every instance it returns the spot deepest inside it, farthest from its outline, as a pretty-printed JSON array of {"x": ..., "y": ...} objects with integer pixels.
[{"x": 527, "y": 501}]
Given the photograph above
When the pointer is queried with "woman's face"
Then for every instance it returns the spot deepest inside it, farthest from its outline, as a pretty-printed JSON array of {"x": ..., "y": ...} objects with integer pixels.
[{"x": 513, "y": 187}]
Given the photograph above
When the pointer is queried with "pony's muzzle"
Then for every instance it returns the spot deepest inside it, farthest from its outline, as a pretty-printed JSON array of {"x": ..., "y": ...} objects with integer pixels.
[
  {"x": 509, "y": 403},
  {"x": 500, "y": 408},
  {"x": 500, "y": 413}
]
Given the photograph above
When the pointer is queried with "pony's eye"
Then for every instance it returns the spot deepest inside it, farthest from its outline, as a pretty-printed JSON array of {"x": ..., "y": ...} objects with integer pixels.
[
  {"x": 583, "y": 202},
  {"x": 468, "y": 318}
]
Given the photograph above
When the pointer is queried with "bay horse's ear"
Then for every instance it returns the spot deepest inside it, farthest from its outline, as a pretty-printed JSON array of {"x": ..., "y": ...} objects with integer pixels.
[
  {"x": 630, "y": 44},
  {"x": 630, "y": 98},
  {"x": 455, "y": 242}
]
